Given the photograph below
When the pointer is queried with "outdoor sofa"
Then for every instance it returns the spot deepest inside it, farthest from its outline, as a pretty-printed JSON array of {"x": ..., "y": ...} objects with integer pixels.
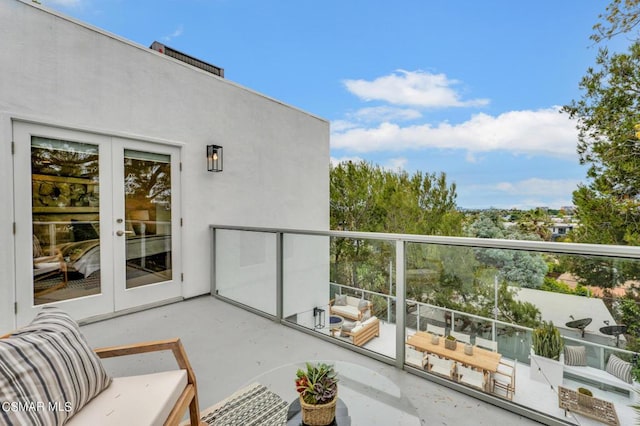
[
  {"x": 50, "y": 375},
  {"x": 349, "y": 307}
]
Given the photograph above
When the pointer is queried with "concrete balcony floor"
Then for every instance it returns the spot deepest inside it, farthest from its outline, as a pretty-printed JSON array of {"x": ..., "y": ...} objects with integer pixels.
[{"x": 229, "y": 347}]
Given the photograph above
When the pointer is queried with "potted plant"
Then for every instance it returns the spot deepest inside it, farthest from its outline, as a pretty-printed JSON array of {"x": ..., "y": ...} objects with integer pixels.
[
  {"x": 585, "y": 397},
  {"x": 450, "y": 342},
  {"x": 547, "y": 354},
  {"x": 318, "y": 389}
]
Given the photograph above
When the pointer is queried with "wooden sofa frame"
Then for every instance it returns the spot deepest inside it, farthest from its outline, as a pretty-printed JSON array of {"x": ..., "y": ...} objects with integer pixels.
[
  {"x": 366, "y": 333},
  {"x": 357, "y": 317},
  {"x": 189, "y": 396}
]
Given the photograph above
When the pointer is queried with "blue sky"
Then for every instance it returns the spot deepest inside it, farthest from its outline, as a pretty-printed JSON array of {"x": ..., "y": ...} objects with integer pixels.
[{"x": 469, "y": 88}]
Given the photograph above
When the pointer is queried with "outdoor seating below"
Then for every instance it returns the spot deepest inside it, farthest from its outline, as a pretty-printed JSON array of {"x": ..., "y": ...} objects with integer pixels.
[
  {"x": 434, "y": 329},
  {"x": 441, "y": 366},
  {"x": 504, "y": 379},
  {"x": 350, "y": 307},
  {"x": 415, "y": 358},
  {"x": 471, "y": 377},
  {"x": 486, "y": 343},
  {"x": 362, "y": 333},
  {"x": 461, "y": 337},
  {"x": 617, "y": 373}
]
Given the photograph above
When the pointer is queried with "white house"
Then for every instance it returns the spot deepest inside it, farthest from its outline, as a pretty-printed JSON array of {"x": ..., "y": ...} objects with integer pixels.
[{"x": 103, "y": 159}]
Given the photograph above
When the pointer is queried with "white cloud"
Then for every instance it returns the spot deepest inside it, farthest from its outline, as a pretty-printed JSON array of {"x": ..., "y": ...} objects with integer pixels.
[
  {"x": 177, "y": 33},
  {"x": 385, "y": 113},
  {"x": 523, "y": 194},
  {"x": 537, "y": 187},
  {"x": 540, "y": 132},
  {"x": 395, "y": 164},
  {"x": 415, "y": 88},
  {"x": 338, "y": 126}
]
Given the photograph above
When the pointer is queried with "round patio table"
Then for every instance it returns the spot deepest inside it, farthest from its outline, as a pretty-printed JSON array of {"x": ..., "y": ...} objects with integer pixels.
[
  {"x": 335, "y": 324},
  {"x": 365, "y": 397}
]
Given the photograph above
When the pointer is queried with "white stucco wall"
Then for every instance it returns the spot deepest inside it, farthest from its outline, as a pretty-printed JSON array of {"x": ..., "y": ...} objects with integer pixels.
[{"x": 54, "y": 70}]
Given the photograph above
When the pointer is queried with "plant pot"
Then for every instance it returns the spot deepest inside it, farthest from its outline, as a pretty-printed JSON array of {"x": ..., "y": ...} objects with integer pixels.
[
  {"x": 450, "y": 344},
  {"x": 318, "y": 414},
  {"x": 585, "y": 400},
  {"x": 435, "y": 340},
  {"x": 468, "y": 349}
]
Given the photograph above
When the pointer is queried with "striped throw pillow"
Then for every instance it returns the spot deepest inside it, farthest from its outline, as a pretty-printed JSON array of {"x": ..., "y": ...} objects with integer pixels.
[
  {"x": 575, "y": 355},
  {"x": 48, "y": 372},
  {"x": 619, "y": 368}
]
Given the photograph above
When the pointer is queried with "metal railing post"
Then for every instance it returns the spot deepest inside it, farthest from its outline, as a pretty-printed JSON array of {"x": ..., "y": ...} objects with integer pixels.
[
  {"x": 279, "y": 274},
  {"x": 213, "y": 262},
  {"x": 401, "y": 297}
]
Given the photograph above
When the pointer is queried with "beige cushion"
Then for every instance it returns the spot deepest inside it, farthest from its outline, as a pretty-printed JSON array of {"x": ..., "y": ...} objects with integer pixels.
[
  {"x": 340, "y": 300},
  {"x": 370, "y": 320},
  {"x": 137, "y": 400},
  {"x": 348, "y": 310},
  {"x": 353, "y": 301}
]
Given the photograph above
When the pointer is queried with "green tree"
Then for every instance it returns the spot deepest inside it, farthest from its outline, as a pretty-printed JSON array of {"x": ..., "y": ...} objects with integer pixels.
[
  {"x": 536, "y": 222},
  {"x": 621, "y": 16},
  {"x": 608, "y": 207},
  {"x": 522, "y": 268},
  {"x": 368, "y": 198}
]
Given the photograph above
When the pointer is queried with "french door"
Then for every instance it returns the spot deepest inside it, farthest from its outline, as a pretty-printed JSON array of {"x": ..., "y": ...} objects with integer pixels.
[{"x": 97, "y": 221}]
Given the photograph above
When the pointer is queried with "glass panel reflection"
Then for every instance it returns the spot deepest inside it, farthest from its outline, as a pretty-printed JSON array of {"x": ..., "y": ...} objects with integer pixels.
[
  {"x": 147, "y": 180},
  {"x": 66, "y": 217}
]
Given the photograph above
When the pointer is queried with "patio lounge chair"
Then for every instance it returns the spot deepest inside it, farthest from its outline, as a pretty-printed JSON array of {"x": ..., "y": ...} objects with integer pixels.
[{"x": 49, "y": 362}]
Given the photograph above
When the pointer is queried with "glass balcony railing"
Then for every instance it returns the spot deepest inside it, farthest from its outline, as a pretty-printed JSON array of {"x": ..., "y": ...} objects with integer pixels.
[{"x": 386, "y": 295}]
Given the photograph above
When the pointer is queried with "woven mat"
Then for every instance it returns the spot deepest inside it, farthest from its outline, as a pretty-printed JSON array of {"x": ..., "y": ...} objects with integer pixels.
[{"x": 254, "y": 405}]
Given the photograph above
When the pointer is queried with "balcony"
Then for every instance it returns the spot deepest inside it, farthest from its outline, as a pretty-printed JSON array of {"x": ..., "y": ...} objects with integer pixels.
[
  {"x": 294, "y": 277},
  {"x": 229, "y": 348}
]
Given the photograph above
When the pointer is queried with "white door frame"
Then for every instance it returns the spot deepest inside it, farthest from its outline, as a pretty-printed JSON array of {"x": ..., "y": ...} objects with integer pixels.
[
  {"x": 113, "y": 296},
  {"x": 151, "y": 293}
]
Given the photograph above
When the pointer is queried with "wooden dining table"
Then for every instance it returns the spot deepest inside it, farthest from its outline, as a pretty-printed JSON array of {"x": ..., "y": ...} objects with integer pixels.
[{"x": 482, "y": 359}]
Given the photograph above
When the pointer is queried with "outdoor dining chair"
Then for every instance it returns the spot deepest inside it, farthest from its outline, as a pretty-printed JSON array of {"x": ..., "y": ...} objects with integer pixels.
[
  {"x": 461, "y": 337},
  {"x": 434, "y": 329},
  {"x": 471, "y": 377},
  {"x": 441, "y": 366},
  {"x": 504, "y": 380},
  {"x": 487, "y": 344}
]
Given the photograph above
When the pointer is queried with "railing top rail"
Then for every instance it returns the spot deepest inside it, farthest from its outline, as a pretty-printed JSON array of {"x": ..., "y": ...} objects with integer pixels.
[{"x": 602, "y": 250}]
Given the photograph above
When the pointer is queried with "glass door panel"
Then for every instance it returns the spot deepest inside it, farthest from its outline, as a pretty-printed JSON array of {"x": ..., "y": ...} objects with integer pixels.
[
  {"x": 97, "y": 223},
  {"x": 65, "y": 219},
  {"x": 146, "y": 220},
  {"x": 147, "y": 204}
]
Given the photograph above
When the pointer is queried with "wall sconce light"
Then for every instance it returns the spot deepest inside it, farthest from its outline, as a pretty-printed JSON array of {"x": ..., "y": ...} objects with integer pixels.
[
  {"x": 318, "y": 315},
  {"x": 214, "y": 158}
]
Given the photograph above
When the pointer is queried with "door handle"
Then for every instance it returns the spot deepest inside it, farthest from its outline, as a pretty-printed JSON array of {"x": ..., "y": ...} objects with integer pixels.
[{"x": 120, "y": 232}]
